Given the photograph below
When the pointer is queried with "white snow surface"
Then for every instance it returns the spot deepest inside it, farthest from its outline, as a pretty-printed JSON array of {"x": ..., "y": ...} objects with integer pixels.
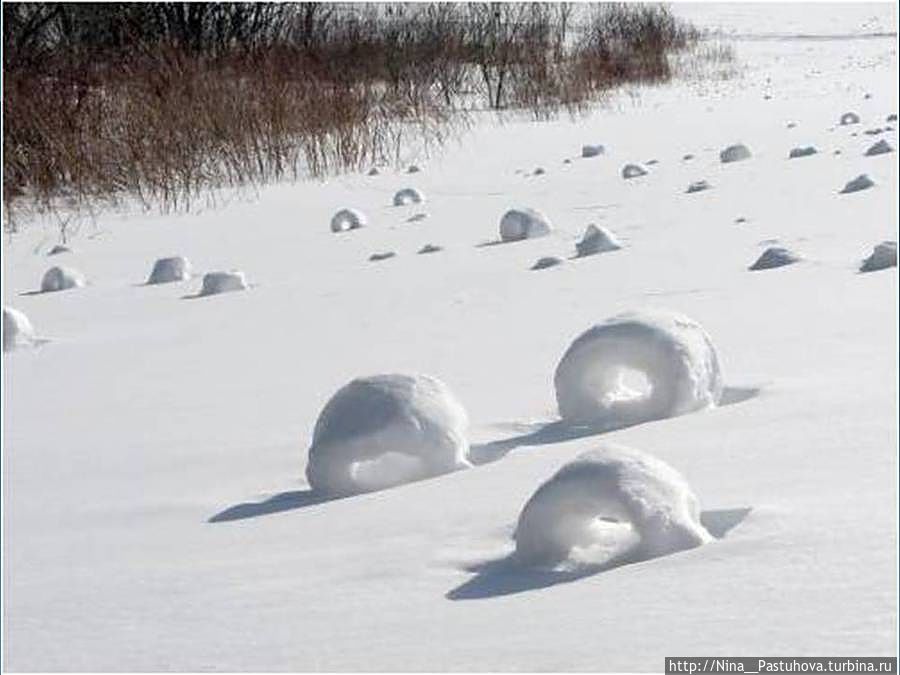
[
  {"x": 384, "y": 430},
  {"x": 613, "y": 483},
  {"x": 670, "y": 356},
  {"x": 148, "y": 416}
]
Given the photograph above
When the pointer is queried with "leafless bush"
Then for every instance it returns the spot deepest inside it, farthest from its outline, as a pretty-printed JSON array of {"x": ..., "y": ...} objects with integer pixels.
[{"x": 163, "y": 101}]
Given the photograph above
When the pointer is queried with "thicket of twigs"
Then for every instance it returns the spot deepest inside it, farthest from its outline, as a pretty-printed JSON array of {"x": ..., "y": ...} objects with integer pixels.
[{"x": 163, "y": 101}]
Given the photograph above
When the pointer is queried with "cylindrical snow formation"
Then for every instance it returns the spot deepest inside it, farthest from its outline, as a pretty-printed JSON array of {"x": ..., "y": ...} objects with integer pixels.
[
  {"x": 669, "y": 357},
  {"x": 518, "y": 224},
  {"x": 408, "y": 196},
  {"x": 613, "y": 484},
  {"x": 167, "y": 270},
  {"x": 61, "y": 278},
  {"x": 348, "y": 219},
  {"x": 17, "y": 329},
  {"x": 385, "y": 430},
  {"x": 223, "y": 282}
]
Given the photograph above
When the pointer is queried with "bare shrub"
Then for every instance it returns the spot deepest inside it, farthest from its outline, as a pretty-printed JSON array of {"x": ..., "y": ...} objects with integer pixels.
[{"x": 163, "y": 102}]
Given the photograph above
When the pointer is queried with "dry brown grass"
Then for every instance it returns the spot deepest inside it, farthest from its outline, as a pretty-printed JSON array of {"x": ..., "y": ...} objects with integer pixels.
[{"x": 162, "y": 103}]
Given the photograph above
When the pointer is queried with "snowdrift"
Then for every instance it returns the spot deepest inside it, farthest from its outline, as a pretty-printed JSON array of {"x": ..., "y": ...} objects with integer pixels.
[
  {"x": 385, "y": 430},
  {"x": 596, "y": 240},
  {"x": 637, "y": 367},
  {"x": 775, "y": 256},
  {"x": 348, "y": 219},
  {"x": 223, "y": 282},
  {"x": 883, "y": 256},
  {"x": 633, "y": 171},
  {"x": 61, "y": 278},
  {"x": 590, "y": 501},
  {"x": 17, "y": 330},
  {"x": 168, "y": 270},
  {"x": 734, "y": 153},
  {"x": 408, "y": 196},
  {"x": 518, "y": 224}
]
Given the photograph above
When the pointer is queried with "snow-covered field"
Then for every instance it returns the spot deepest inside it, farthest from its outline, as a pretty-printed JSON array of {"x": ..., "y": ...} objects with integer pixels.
[{"x": 156, "y": 514}]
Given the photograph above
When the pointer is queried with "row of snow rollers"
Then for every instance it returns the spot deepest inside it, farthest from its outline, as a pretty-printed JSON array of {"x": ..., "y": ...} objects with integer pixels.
[{"x": 384, "y": 430}]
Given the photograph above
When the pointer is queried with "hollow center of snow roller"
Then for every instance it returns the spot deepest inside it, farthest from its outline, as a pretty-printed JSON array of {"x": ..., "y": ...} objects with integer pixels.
[
  {"x": 618, "y": 388},
  {"x": 387, "y": 470},
  {"x": 602, "y": 538}
]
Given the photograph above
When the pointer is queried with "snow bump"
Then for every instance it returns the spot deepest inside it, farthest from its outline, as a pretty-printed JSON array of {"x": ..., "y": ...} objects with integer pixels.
[
  {"x": 882, "y": 147},
  {"x": 861, "y": 182},
  {"x": 385, "y": 430},
  {"x": 61, "y": 278},
  {"x": 633, "y": 171},
  {"x": 883, "y": 256},
  {"x": 775, "y": 256},
  {"x": 804, "y": 151},
  {"x": 168, "y": 270},
  {"x": 348, "y": 219},
  {"x": 518, "y": 224},
  {"x": 610, "y": 504},
  {"x": 408, "y": 196},
  {"x": 596, "y": 240},
  {"x": 223, "y": 282},
  {"x": 637, "y": 367},
  {"x": 734, "y": 153}
]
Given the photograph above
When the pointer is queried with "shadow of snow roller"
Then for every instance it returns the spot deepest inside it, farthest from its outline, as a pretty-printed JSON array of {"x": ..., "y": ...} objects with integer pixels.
[
  {"x": 637, "y": 367},
  {"x": 610, "y": 506},
  {"x": 348, "y": 219},
  {"x": 385, "y": 430},
  {"x": 518, "y": 224},
  {"x": 592, "y": 150}
]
